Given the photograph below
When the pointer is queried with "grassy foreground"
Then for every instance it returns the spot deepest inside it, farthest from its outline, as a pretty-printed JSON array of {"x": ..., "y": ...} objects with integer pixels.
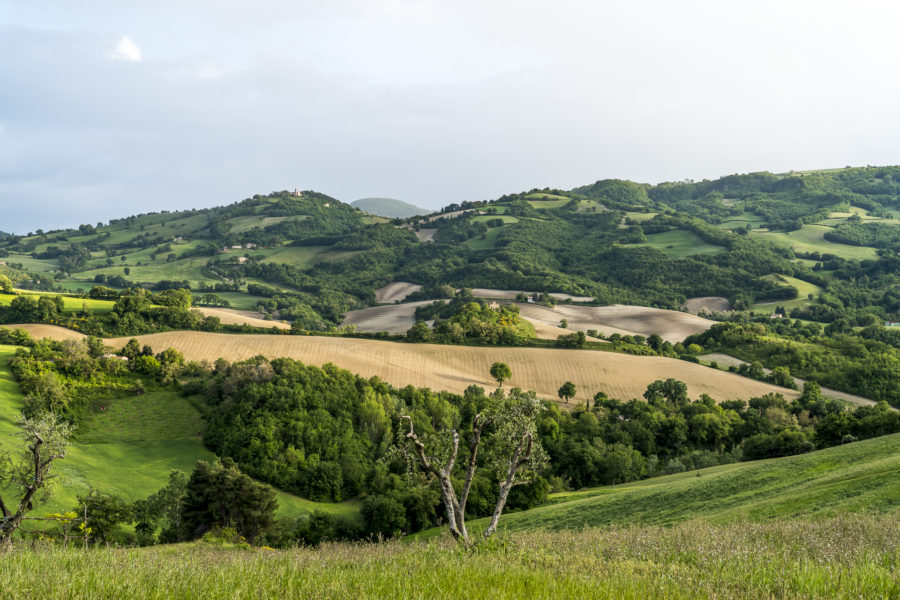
[{"x": 849, "y": 557}]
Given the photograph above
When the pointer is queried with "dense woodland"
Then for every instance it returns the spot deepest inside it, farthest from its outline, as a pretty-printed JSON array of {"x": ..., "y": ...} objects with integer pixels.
[{"x": 329, "y": 435}]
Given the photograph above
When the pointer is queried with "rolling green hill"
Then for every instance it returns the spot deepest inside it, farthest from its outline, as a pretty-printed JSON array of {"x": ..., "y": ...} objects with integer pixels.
[
  {"x": 389, "y": 207},
  {"x": 854, "y": 478},
  {"x": 129, "y": 448}
]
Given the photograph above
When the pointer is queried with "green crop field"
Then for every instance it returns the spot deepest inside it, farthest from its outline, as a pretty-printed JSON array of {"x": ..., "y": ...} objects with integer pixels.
[
  {"x": 301, "y": 257},
  {"x": 240, "y": 301},
  {"x": 542, "y": 201},
  {"x": 810, "y": 238},
  {"x": 191, "y": 269},
  {"x": 743, "y": 220},
  {"x": 242, "y": 224},
  {"x": 489, "y": 241},
  {"x": 678, "y": 243},
  {"x": 119, "y": 451},
  {"x": 804, "y": 289},
  {"x": 485, "y": 218},
  {"x": 590, "y": 206},
  {"x": 32, "y": 264},
  {"x": 639, "y": 216},
  {"x": 547, "y": 196},
  {"x": 151, "y": 416},
  {"x": 69, "y": 303}
]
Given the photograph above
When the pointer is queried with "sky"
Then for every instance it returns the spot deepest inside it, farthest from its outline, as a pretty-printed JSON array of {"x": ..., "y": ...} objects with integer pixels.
[{"x": 111, "y": 108}]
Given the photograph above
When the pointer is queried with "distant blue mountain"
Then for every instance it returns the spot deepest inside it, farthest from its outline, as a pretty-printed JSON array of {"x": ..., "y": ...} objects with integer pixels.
[{"x": 389, "y": 207}]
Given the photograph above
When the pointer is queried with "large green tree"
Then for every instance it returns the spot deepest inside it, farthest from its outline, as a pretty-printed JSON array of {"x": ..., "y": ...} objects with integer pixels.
[
  {"x": 218, "y": 495},
  {"x": 501, "y": 372}
]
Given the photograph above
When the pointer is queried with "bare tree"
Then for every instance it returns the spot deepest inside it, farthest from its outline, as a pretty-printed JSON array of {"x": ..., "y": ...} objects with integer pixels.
[
  {"x": 46, "y": 437},
  {"x": 507, "y": 428}
]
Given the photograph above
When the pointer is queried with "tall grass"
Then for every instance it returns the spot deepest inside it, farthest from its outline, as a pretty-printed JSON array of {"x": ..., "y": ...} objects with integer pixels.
[{"x": 850, "y": 557}]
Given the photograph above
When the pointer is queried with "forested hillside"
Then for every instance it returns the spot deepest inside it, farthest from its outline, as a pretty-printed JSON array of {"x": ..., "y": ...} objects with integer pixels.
[{"x": 819, "y": 250}]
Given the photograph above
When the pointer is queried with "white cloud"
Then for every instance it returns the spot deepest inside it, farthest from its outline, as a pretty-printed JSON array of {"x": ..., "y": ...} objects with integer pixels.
[
  {"x": 126, "y": 49},
  {"x": 428, "y": 101}
]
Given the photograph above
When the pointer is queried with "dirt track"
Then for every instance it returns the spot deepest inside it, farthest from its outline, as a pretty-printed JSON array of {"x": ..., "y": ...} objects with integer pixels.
[{"x": 454, "y": 368}]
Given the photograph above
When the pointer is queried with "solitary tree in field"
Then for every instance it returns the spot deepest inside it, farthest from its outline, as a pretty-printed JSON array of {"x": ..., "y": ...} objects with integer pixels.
[
  {"x": 567, "y": 391},
  {"x": 513, "y": 452},
  {"x": 501, "y": 372},
  {"x": 27, "y": 479},
  {"x": 5, "y": 284}
]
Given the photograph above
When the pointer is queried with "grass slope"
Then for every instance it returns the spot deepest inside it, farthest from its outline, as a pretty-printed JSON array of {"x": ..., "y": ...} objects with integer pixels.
[
  {"x": 804, "y": 289},
  {"x": 858, "y": 477},
  {"x": 678, "y": 243},
  {"x": 129, "y": 448},
  {"x": 856, "y": 557},
  {"x": 70, "y": 304},
  {"x": 810, "y": 238}
]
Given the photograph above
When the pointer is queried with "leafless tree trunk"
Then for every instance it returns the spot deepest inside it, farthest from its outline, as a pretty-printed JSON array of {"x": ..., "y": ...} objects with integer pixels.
[
  {"x": 455, "y": 506},
  {"x": 521, "y": 456},
  {"x": 455, "y": 511}
]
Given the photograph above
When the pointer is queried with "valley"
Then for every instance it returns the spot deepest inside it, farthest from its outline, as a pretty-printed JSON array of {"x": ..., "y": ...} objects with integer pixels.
[{"x": 712, "y": 356}]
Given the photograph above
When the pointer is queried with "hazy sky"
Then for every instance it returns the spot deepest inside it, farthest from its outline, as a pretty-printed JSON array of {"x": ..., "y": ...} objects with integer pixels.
[{"x": 109, "y": 108}]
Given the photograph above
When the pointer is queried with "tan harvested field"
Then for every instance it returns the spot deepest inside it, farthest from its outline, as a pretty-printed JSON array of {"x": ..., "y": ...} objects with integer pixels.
[
  {"x": 425, "y": 235},
  {"x": 454, "y": 368},
  {"x": 394, "y": 318},
  {"x": 671, "y": 325},
  {"x": 511, "y": 295},
  {"x": 395, "y": 292},
  {"x": 550, "y": 332},
  {"x": 706, "y": 304},
  {"x": 230, "y": 316},
  {"x": 37, "y": 331},
  {"x": 398, "y": 318}
]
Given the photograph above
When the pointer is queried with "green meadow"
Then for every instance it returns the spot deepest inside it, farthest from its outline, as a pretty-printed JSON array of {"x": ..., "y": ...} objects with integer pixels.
[
  {"x": 640, "y": 216},
  {"x": 804, "y": 289},
  {"x": 69, "y": 303},
  {"x": 852, "y": 557},
  {"x": 678, "y": 243},
  {"x": 486, "y": 243},
  {"x": 127, "y": 446},
  {"x": 854, "y": 478},
  {"x": 810, "y": 238}
]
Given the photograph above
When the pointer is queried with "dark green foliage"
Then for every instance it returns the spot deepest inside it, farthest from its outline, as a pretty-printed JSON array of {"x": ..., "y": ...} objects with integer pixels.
[
  {"x": 105, "y": 512},
  {"x": 856, "y": 233},
  {"x": 165, "y": 505},
  {"x": 501, "y": 372},
  {"x": 219, "y": 496},
  {"x": 618, "y": 194},
  {"x": 321, "y": 527},
  {"x": 470, "y": 322},
  {"x": 833, "y": 357}
]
